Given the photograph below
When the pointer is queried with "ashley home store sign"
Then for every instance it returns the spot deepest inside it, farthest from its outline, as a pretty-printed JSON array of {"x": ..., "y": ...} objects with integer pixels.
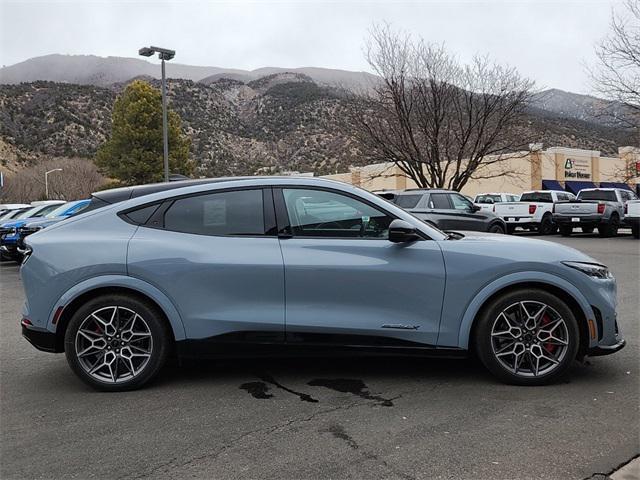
[{"x": 577, "y": 168}]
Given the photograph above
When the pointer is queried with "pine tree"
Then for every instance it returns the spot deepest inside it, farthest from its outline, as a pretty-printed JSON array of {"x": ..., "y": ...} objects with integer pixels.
[{"x": 134, "y": 153}]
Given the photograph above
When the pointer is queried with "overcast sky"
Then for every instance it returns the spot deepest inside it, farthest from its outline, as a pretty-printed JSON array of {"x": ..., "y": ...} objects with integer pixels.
[{"x": 549, "y": 41}]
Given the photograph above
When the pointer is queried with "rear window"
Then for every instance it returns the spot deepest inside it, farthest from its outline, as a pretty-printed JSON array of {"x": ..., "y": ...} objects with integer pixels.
[
  {"x": 407, "y": 201},
  {"x": 542, "y": 197},
  {"x": 606, "y": 195},
  {"x": 223, "y": 213},
  {"x": 488, "y": 199}
]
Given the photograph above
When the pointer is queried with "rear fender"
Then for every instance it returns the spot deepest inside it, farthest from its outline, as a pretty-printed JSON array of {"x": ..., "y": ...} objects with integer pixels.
[{"x": 105, "y": 281}]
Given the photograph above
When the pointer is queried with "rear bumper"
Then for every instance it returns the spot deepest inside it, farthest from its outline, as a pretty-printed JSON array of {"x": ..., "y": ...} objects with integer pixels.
[
  {"x": 43, "y": 340},
  {"x": 601, "y": 350},
  {"x": 586, "y": 220}
]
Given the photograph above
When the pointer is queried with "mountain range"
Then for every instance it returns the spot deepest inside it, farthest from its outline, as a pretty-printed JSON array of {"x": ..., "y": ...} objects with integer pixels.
[{"x": 241, "y": 122}]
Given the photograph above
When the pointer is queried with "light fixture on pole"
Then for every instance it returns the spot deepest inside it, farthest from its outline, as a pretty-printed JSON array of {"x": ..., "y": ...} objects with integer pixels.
[
  {"x": 163, "y": 54},
  {"x": 46, "y": 181}
]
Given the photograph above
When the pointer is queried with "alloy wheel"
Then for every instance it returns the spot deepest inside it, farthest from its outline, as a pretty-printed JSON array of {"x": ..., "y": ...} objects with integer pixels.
[
  {"x": 113, "y": 344},
  {"x": 529, "y": 338}
]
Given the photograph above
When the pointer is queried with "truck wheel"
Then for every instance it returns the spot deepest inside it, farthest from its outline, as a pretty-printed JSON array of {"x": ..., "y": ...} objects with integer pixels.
[
  {"x": 610, "y": 229},
  {"x": 635, "y": 231},
  {"x": 565, "y": 230},
  {"x": 587, "y": 229},
  {"x": 496, "y": 228},
  {"x": 511, "y": 229},
  {"x": 547, "y": 226}
]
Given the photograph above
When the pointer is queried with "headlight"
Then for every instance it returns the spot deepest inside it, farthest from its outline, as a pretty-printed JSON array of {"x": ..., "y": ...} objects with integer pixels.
[
  {"x": 13, "y": 231},
  {"x": 591, "y": 269}
]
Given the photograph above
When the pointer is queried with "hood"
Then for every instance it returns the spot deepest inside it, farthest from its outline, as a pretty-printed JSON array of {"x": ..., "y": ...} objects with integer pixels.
[
  {"x": 515, "y": 248},
  {"x": 40, "y": 222},
  {"x": 14, "y": 223}
]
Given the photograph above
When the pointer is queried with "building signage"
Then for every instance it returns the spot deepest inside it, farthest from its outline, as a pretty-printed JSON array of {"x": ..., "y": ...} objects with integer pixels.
[{"x": 577, "y": 169}]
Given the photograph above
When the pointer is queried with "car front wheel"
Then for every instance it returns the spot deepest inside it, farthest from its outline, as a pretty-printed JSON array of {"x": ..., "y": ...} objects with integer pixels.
[
  {"x": 116, "y": 342},
  {"x": 527, "y": 337}
]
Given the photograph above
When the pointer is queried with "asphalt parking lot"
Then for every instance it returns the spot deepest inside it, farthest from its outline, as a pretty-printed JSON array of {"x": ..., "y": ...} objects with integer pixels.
[{"x": 339, "y": 418}]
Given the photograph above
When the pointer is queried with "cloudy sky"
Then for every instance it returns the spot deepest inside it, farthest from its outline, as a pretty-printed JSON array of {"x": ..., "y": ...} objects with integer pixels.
[{"x": 549, "y": 41}]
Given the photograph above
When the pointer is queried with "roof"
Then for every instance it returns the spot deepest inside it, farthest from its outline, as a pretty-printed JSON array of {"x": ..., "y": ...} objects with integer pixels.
[{"x": 427, "y": 190}]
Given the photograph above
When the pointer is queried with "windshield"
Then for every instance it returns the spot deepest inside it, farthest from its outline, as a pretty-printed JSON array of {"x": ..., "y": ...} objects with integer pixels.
[
  {"x": 542, "y": 197},
  {"x": 607, "y": 195}
]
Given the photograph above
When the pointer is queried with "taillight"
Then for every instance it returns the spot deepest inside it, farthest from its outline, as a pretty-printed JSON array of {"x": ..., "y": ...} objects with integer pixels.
[
  {"x": 601, "y": 208},
  {"x": 532, "y": 209}
]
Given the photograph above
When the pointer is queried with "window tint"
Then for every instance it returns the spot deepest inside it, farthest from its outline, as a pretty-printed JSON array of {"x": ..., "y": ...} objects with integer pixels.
[
  {"x": 318, "y": 213},
  {"x": 225, "y": 213},
  {"x": 606, "y": 195},
  {"x": 488, "y": 199},
  {"x": 460, "y": 202},
  {"x": 407, "y": 201},
  {"x": 439, "y": 201},
  {"x": 141, "y": 215},
  {"x": 542, "y": 197},
  {"x": 512, "y": 198}
]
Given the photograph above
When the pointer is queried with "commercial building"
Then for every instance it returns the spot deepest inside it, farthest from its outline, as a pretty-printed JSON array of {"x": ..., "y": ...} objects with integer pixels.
[{"x": 554, "y": 168}]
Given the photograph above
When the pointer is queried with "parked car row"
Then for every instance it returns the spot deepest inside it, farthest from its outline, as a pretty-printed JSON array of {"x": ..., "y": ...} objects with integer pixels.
[
  {"x": 541, "y": 211},
  {"x": 19, "y": 221}
]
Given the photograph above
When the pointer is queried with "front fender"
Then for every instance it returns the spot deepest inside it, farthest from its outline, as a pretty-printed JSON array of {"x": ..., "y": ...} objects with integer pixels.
[
  {"x": 509, "y": 280},
  {"x": 123, "y": 281}
]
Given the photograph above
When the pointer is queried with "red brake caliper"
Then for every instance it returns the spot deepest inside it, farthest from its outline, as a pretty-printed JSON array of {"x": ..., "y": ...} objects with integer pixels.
[{"x": 548, "y": 346}]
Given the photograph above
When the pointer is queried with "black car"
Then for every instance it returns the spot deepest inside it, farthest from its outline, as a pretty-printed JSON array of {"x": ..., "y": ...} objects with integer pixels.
[{"x": 446, "y": 209}]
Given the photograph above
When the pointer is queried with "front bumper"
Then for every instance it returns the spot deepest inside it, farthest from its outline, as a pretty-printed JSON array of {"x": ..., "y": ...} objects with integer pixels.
[
  {"x": 43, "y": 340},
  {"x": 601, "y": 350}
]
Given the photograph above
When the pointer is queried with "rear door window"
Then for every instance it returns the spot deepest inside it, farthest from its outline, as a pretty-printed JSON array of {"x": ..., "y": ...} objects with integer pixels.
[
  {"x": 439, "y": 201},
  {"x": 237, "y": 212},
  {"x": 407, "y": 201}
]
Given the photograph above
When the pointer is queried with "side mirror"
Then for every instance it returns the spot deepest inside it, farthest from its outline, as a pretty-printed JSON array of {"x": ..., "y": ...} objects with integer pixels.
[
  {"x": 401, "y": 232},
  {"x": 475, "y": 208}
]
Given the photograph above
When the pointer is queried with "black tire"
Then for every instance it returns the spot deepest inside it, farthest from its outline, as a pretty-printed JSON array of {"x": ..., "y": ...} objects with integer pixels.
[
  {"x": 511, "y": 229},
  {"x": 546, "y": 227},
  {"x": 587, "y": 229},
  {"x": 159, "y": 334},
  {"x": 489, "y": 315},
  {"x": 610, "y": 229},
  {"x": 496, "y": 228},
  {"x": 565, "y": 230},
  {"x": 635, "y": 231}
]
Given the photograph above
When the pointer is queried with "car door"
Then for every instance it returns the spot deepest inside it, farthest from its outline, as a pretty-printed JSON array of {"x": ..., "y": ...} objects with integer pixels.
[
  {"x": 439, "y": 210},
  {"x": 217, "y": 257},
  {"x": 345, "y": 282},
  {"x": 464, "y": 216}
]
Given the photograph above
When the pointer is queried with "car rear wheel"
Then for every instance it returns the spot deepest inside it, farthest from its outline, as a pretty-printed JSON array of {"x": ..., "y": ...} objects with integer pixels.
[
  {"x": 511, "y": 229},
  {"x": 116, "y": 342},
  {"x": 527, "y": 337},
  {"x": 496, "y": 228},
  {"x": 565, "y": 230},
  {"x": 610, "y": 229}
]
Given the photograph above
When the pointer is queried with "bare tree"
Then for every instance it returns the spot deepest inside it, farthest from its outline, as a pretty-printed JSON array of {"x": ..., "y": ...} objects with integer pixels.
[
  {"x": 617, "y": 75},
  {"x": 435, "y": 118},
  {"x": 78, "y": 179}
]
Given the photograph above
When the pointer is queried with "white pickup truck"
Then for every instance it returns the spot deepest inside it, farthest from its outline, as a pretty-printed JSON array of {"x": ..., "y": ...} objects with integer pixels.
[
  {"x": 486, "y": 200},
  {"x": 632, "y": 216},
  {"x": 533, "y": 212}
]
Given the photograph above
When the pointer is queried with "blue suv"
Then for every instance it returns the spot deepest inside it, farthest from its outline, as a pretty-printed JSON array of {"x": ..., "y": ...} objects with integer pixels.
[
  {"x": 9, "y": 229},
  {"x": 274, "y": 266}
]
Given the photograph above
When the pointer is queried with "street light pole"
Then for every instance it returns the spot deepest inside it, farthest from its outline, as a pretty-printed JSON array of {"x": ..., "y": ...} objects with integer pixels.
[
  {"x": 163, "y": 54},
  {"x": 46, "y": 180},
  {"x": 165, "y": 127}
]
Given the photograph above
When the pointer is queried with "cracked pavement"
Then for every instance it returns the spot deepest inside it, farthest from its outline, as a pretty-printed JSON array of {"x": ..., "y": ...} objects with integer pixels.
[{"x": 323, "y": 418}]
